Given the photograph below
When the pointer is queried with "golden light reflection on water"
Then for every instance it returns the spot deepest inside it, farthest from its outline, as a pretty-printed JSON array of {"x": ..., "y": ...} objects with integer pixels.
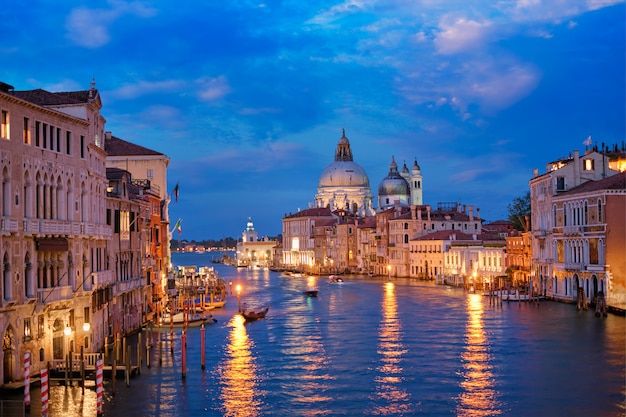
[
  {"x": 390, "y": 398},
  {"x": 478, "y": 397},
  {"x": 239, "y": 393}
]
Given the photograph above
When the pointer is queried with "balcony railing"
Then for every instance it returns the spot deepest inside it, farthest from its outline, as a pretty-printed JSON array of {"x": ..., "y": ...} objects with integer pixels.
[
  {"x": 126, "y": 286},
  {"x": 50, "y": 295},
  {"x": 9, "y": 225}
]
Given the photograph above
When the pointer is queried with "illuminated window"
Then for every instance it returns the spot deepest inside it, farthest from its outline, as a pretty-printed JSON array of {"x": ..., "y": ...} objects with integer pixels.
[
  {"x": 27, "y": 330},
  {"x": 5, "y": 124},
  {"x": 26, "y": 131},
  {"x": 588, "y": 164}
]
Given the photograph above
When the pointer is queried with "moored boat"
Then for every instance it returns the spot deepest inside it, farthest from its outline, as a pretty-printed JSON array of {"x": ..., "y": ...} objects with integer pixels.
[{"x": 310, "y": 292}]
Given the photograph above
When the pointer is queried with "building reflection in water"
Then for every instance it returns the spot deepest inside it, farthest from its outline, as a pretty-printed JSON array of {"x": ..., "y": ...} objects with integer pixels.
[
  {"x": 477, "y": 397},
  {"x": 239, "y": 392},
  {"x": 390, "y": 398}
]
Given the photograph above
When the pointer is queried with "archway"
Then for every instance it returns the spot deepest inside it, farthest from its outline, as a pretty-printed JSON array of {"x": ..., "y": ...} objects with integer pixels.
[{"x": 8, "y": 351}]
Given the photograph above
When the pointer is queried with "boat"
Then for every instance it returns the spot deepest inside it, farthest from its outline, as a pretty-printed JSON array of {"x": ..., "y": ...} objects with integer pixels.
[
  {"x": 193, "y": 319},
  {"x": 335, "y": 278},
  {"x": 252, "y": 315},
  {"x": 310, "y": 292}
]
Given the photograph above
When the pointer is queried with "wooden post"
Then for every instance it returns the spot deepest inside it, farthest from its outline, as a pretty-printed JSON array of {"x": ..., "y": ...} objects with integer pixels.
[
  {"x": 113, "y": 375},
  {"x": 128, "y": 367},
  {"x": 117, "y": 346},
  {"x": 67, "y": 365},
  {"x": 139, "y": 353},
  {"x": 82, "y": 369},
  {"x": 202, "y": 335},
  {"x": 183, "y": 350},
  {"x": 124, "y": 350},
  {"x": 160, "y": 351},
  {"x": 172, "y": 331}
]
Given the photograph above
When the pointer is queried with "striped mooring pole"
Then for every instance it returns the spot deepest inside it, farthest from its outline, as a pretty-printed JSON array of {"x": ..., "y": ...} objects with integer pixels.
[
  {"x": 27, "y": 382},
  {"x": 44, "y": 392},
  {"x": 99, "y": 387}
]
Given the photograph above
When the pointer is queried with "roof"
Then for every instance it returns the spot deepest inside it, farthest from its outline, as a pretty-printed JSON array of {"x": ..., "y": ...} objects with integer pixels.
[
  {"x": 614, "y": 182},
  {"x": 312, "y": 212},
  {"x": 46, "y": 98},
  {"x": 115, "y": 146}
]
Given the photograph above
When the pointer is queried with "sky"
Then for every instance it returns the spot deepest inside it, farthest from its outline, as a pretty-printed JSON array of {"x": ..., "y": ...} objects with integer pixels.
[{"x": 248, "y": 98}]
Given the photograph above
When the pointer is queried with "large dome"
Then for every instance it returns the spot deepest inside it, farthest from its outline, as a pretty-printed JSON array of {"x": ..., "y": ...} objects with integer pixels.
[{"x": 344, "y": 172}]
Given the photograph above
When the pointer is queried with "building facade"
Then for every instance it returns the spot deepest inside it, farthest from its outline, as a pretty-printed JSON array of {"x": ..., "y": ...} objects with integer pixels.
[{"x": 54, "y": 231}]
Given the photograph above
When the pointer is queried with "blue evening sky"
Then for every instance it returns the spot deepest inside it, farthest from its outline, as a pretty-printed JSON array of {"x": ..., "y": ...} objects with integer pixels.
[{"x": 248, "y": 98}]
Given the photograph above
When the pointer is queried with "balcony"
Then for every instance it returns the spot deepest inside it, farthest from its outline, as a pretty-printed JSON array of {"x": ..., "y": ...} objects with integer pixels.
[
  {"x": 51, "y": 295},
  {"x": 572, "y": 230},
  {"x": 122, "y": 287},
  {"x": 9, "y": 226}
]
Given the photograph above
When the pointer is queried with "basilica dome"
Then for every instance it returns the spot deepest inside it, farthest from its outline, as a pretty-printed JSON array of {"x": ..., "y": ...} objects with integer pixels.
[{"x": 343, "y": 172}]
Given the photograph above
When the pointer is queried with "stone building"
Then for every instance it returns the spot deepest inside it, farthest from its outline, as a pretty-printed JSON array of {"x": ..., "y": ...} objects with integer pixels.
[{"x": 54, "y": 229}]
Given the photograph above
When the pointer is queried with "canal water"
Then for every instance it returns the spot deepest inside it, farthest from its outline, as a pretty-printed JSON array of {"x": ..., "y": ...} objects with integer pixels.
[{"x": 373, "y": 347}]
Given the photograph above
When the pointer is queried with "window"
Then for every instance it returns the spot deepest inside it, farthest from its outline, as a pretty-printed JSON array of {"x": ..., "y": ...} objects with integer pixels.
[
  {"x": 5, "y": 124},
  {"x": 588, "y": 164},
  {"x": 26, "y": 131},
  {"x": 27, "y": 330},
  {"x": 37, "y": 134},
  {"x": 599, "y": 211},
  {"x": 150, "y": 173},
  {"x": 58, "y": 139},
  {"x": 44, "y": 130},
  {"x": 560, "y": 183},
  {"x": 40, "y": 328},
  {"x": 82, "y": 146},
  {"x": 68, "y": 143}
]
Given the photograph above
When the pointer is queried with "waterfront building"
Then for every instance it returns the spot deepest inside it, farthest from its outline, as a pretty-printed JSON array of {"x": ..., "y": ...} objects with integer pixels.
[
  {"x": 123, "y": 303},
  {"x": 589, "y": 238},
  {"x": 252, "y": 251},
  {"x": 54, "y": 230},
  {"x": 518, "y": 259},
  {"x": 560, "y": 176},
  {"x": 148, "y": 173},
  {"x": 366, "y": 245},
  {"x": 298, "y": 240}
]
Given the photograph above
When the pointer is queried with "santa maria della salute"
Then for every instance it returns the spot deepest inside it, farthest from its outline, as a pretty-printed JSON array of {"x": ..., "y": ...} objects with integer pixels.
[
  {"x": 343, "y": 231},
  {"x": 344, "y": 185}
]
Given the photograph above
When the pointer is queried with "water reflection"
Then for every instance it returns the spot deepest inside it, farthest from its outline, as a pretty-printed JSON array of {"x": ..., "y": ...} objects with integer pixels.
[
  {"x": 390, "y": 397},
  {"x": 478, "y": 397},
  {"x": 238, "y": 379}
]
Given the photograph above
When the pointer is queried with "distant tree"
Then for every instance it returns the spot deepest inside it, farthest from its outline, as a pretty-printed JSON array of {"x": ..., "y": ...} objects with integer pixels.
[{"x": 519, "y": 212}]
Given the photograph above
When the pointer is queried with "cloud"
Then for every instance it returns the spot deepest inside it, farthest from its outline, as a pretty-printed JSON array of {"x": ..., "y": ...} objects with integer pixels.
[
  {"x": 461, "y": 35},
  {"x": 213, "y": 88},
  {"x": 142, "y": 88},
  {"x": 90, "y": 27}
]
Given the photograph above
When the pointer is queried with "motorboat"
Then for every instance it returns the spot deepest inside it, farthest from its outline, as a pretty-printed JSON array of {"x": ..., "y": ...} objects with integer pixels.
[
  {"x": 310, "y": 292},
  {"x": 335, "y": 278},
  {"x": 252, "y": 315}
]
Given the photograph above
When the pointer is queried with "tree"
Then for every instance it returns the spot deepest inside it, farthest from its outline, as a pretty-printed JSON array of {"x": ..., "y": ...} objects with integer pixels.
[{"x": 519, "y": 212}]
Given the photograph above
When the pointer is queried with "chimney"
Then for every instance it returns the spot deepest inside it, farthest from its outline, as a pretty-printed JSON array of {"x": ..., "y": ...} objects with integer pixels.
[
  {"x": 535, "y": 172},
  {"x": 428, "y": 213},
  {"x": 471, "y": 213},
  {"x": 107, "y": 135},
  {"x": 477, "y": 213}
]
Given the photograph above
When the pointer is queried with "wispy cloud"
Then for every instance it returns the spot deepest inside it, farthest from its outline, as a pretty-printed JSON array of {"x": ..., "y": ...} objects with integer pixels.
[
  {"x": 458, "y": 35},
  {"x": 212, "y": 89},
  {"x": 142, "y": 88},
  {"x": 90, "y": 28}
]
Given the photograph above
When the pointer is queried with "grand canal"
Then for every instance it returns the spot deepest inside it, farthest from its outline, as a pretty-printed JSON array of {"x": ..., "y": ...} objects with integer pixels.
[{"x": 374, "y": 347}]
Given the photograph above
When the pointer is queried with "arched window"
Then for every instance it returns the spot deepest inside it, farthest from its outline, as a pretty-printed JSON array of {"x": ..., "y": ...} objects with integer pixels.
[
  {"x": 6, "y": 278},
  {"x": 586, "y": 213}
]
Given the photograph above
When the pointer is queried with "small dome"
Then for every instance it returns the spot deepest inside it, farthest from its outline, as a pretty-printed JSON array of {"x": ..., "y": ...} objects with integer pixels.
[{"x": 393, "y": 184}]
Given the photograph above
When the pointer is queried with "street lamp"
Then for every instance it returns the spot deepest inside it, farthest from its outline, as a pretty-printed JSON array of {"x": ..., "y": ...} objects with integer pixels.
[{"x": 238, "y": 298}]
